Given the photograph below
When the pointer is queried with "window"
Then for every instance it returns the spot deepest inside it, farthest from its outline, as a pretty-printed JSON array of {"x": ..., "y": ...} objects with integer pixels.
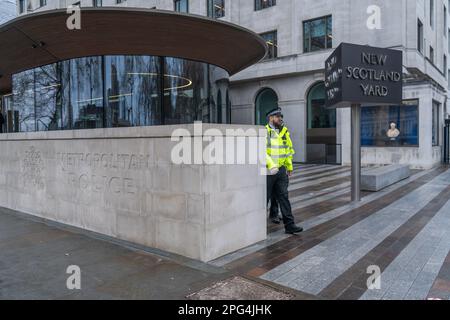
[
  {"x": 186, "y": 96},
  {"x": 219, "y": 107},
  {"x": 390, "y": 126},
  {"x": 120, "y": 1},
  {"x": 263, "y": 4},
  {"x": 42, "y": 3},
  {"x": 228, "y": 106},
  {"x": 133, "y": 91},
  {"x": 435, "y": 125},
  {"x": 445, "y": 21},
  {"x": 181, "y": 5},
  {"x": 22, "y": 6},
  {"x": 317, "y": 34},
  {"x": 97, "y": 3},
  {"x": 11, "y": 120},
  {"x": 218, "y": 80},
  {"x": 23, "y": 100},
  {"x": 118, "y": 91},
  {"x": 319, "y": 117},
  {"x": 432, "y": 55},
  {"x": 432, "y": 13},
  {"x": 216, "y": 8},
  {"x": 272, "y": 43},
  {"x": 266, "y": 100},
  {"x": 445, "y": 66},
  {"x": 419, "y": 36},
  {"x": 48, "y": 97},
  {"x": 83, "y": 99}
]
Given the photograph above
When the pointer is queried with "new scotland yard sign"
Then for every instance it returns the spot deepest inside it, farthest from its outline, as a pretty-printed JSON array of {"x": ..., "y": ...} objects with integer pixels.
[{"x": 364, "y": 75}]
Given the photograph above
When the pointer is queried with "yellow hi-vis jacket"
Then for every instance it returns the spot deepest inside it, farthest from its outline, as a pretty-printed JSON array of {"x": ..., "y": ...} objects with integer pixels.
[{"x": 280, "y": 151}]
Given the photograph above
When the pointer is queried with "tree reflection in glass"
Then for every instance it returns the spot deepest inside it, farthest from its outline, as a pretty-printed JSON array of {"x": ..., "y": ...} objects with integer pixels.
[
  {"x": 133, "y": 87},
  {"x": 185, "y": 91},
  {"x": 83, "y": 93},
  {"x": 23, "y": 100},
  {"x": 48, "y": 99},
  {"x": 118, "y": 91}
]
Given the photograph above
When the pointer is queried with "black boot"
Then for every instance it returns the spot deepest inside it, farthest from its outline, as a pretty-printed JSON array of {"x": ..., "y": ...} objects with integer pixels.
[
  {"x": 293, "y": 229},
  {"x": 275, "y": 220}
]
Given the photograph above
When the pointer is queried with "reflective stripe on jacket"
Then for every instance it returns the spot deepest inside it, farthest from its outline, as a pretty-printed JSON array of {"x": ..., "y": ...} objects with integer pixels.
[{"x": 280, "y": 151}]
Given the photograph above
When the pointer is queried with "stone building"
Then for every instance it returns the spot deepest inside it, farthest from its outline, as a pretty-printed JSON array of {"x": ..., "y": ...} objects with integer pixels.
[{"x": 301, "y": 35}]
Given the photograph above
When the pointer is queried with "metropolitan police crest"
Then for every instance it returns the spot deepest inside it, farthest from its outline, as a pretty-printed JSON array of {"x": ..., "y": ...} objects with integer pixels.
[{"x": 32, "y": 167}]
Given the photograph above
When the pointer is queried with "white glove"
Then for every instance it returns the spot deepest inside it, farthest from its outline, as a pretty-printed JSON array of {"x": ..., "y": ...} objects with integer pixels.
[{"x": 274, "y": 171}]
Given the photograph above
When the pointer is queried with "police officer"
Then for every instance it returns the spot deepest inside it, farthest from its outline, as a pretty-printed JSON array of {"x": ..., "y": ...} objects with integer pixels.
[
  {"x": 279, "y": 165},
  {"x": 274, "y": 206}
]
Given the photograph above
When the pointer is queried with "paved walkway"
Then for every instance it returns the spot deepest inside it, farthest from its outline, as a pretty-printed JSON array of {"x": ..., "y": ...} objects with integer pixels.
[
  {"x": 404, "y": 230},
  {"x": 34, "y": 258}
]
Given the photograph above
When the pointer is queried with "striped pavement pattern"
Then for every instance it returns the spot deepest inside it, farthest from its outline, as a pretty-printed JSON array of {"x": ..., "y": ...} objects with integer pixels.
[{"x": 404, "y": 230}]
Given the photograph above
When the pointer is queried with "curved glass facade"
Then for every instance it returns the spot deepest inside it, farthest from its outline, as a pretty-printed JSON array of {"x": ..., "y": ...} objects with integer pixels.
[{"x": 117, "y": 91}]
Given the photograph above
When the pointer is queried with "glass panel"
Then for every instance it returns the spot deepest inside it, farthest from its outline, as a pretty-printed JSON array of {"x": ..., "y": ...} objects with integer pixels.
[
  {"x": 435, "y": 125},
  {"x": 185, "y": 91},
  {"x": 72, "y": 94},
  {"x": 319, "y": 117},
  {"x": 219, "y": 107},
  {"x": 266, "y": 101},
  {"x": 5, "y": 107},
  {"x": 181, "y": 6},
  {"x": 82, "y": 82},
  {"x": 133, "y": 91},
  {"x": 228, "y": 103},
  {"x": 48, "y": 94},
  {"x": 390, "y": 126},
  {"x": 306, "y": 37},
  {"x": 419, "y": 36},
  {"x": 23, "y": 100},
  {"x": 21, "y": 6},
  {"x": 216, "y": 8},
  {"x": 271, "y": 40},
  {"x": 329, "y": 32},
  {"x": 318, "y": 34},
  {"x": 263, "y": 4}
]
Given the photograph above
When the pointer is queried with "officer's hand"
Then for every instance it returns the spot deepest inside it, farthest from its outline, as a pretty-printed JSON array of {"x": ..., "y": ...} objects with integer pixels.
[{"x": 274, "y": 171}]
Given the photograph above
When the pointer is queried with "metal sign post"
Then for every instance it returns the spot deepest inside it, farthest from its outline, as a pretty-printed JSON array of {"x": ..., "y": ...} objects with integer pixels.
[
  {"x": 359, "y": 76},
  {"x": 356, "y": 152}
]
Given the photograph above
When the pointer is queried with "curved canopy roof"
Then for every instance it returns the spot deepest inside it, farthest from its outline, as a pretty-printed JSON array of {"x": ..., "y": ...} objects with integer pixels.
[{"x": 41, "y": 38}]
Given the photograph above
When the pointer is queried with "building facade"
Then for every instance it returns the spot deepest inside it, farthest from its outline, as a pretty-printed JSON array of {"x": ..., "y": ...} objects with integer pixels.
[
  {"x": 7, "y": 10},
  {"x": 301, "y": 34}
]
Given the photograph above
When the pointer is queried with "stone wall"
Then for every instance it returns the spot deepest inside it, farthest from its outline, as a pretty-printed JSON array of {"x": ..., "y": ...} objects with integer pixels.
[{"x": 122, "y": 182}]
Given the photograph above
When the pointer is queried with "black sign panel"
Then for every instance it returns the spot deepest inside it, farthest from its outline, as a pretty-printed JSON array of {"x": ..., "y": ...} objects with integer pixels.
[{"x": 356, "y": 74}]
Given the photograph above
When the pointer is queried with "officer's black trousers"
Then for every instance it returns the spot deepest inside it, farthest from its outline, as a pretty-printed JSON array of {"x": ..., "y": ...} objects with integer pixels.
[
  {"x": 277, "y": 186},
  {"x": 274, "y": 206}
]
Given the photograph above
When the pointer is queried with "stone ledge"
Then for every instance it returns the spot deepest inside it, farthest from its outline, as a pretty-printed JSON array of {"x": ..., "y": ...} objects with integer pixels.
[
  {"x": 139, "y": 132},
  {"x": 375, "y": 179}
]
